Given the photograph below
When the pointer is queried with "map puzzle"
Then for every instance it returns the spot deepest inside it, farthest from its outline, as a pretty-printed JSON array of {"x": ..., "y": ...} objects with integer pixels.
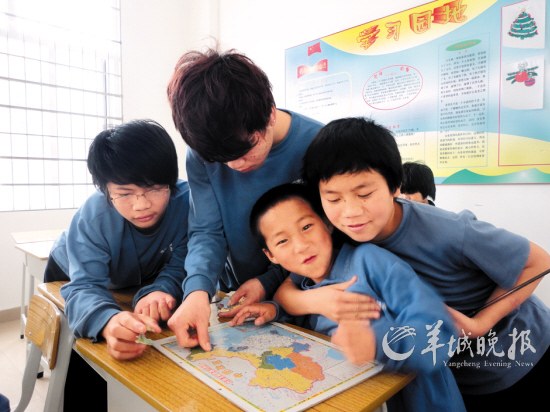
[{"x": 269, "y": 368}]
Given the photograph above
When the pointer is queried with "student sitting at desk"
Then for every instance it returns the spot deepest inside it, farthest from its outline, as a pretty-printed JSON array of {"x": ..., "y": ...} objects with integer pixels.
[
  {"x": 132, "y": 232},
  {"x": 292, "y": 234}
]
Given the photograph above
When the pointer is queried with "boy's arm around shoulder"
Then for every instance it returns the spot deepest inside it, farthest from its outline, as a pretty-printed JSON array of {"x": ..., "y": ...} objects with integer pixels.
[
  {"x": 537, "y": 262},
  {"x": 332, "y": 301}
]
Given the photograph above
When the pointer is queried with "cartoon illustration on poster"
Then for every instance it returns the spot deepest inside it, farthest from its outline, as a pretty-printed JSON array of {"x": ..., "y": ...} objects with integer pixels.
[{"x": 464, "y": 95}]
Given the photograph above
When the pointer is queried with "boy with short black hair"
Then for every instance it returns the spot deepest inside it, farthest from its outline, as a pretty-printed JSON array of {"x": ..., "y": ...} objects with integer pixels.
[
  {"x": 294, "y": 235},
  {"x": 240, "y": 145},
  {"x": 418, "y": 183},
  {"x": 355, "y": 166},
  {"x": 132, "y": 232}
]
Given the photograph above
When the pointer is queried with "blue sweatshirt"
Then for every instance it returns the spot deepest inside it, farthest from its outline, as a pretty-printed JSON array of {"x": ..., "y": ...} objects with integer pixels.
[
  {"x": 101, "y": 251},
  {"x": 220, "y": 241},
  {"x": 413, "y": 311},
  {"x": 464, "y": 259}
]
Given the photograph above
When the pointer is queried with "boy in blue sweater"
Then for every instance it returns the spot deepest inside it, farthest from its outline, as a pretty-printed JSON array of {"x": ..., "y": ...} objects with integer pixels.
[
  {"x": 293, "y": 235},
  {"x": 131, "y": 233},
  {"x": 240, "y": 145},
  {"x": 355, "y": 167}
]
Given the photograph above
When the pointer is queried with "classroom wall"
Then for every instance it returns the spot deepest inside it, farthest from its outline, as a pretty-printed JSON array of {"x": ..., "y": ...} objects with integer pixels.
[{"x": 155, "y": 34}]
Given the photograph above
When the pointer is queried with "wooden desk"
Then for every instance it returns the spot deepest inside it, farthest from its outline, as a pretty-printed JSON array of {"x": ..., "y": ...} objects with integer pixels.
[
  {"x": 36, "y": 246},
  {"x": 160, "y": 384}
]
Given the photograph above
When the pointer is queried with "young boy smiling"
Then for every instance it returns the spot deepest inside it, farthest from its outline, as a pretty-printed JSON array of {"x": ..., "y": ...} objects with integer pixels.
[
  {"x": 355, "y": 166},
  {"x": 292, "y": 234}
]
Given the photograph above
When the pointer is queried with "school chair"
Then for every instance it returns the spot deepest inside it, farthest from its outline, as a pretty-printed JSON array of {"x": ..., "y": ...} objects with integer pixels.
[{"x": 47, "y": 332}]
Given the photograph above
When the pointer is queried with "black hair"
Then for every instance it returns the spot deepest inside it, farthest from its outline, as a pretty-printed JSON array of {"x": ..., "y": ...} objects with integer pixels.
[
  {"x": 218, "y": 101},
  {"x": 273, "y": 197},
  {"x": 139, "y": 152},
  {"x": 352, "y": 145},
  {"x": 418, "y": 177}
]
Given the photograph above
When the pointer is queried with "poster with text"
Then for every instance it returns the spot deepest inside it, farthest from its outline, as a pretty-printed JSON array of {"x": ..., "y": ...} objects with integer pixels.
[{"x": 461, "y": 84}]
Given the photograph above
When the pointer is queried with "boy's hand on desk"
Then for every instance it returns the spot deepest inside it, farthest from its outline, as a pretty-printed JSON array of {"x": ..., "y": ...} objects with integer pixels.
[
  {"x": 262, "y": 312},
  {"x": 157, "y": 305},
  {"x": 190, "y": 321},
  {"x": 121, "y": 331}
]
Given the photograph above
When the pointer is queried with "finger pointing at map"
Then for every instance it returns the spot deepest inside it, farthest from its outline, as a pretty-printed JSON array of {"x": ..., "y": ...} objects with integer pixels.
[{"x": 190, "y": 321}]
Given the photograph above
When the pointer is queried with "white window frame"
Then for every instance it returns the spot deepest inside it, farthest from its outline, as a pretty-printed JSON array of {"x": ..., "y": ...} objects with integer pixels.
[{"x": 60, "y": 85}]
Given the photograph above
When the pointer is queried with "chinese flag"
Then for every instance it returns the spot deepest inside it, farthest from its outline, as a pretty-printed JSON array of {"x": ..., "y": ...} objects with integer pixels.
[{"x": 316, "y": 48}]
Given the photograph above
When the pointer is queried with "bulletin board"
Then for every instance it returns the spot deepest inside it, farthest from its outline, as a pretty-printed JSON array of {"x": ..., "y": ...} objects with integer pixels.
[{"x": 461, "y": 84}]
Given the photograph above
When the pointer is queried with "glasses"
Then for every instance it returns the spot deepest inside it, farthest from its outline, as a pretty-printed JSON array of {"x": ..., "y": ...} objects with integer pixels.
[{"x": 151, "y": 195}]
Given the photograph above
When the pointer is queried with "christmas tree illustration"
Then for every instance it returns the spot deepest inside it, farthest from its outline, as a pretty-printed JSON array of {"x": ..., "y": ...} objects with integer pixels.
[{"x": 523, "y": 27}]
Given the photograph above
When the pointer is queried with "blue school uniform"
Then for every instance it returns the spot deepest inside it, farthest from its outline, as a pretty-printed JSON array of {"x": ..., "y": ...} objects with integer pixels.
[
  {"x": 101, "y": 251},
  {"x": 413, "y": 310},
  {"x": 221, "y": 245},
  {"x": 465, "y": 259}
]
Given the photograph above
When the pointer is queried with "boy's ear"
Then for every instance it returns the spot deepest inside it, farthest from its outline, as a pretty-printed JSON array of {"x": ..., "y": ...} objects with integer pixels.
[
  {"x": 270, "y": 256},
  {"x": 398, "y": 193},
  {"x": 272, "y": 117}
]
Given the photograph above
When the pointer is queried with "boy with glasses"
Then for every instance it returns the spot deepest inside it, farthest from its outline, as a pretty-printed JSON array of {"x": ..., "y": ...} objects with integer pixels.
[{"x": 133, "y": 231}]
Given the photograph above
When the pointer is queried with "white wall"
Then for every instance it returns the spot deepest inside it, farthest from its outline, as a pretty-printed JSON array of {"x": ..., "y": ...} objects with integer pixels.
[
  {"x": 12, "y": 258},
  {"x": 155, "y": 34}
]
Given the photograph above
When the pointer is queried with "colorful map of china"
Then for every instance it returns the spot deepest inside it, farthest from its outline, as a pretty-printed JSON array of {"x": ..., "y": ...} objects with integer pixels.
[{"x": 281, "y": 366}]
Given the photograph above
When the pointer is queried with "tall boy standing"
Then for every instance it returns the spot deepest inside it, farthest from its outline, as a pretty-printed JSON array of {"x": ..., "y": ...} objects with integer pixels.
[{"x": 240, "y": 145}]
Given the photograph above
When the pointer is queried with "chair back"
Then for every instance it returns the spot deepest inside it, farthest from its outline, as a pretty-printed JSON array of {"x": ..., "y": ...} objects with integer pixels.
[{"x": 42, "y": 328}]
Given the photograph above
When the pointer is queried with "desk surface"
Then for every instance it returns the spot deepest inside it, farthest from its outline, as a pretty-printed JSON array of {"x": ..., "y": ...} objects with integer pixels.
[
  {"x": 40, "y": 250},
  {"x": 36, "y": 243},
  {"x": 36, "y": 235},
  {"x": 167, "y": 387}
]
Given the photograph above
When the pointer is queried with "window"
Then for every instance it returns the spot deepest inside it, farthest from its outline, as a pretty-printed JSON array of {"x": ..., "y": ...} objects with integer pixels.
[{"x": 60, "y": 85}]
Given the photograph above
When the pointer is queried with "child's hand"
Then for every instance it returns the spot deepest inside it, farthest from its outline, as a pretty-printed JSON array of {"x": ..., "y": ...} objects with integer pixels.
[
  {"x": 337, "y": 304},
  {"x": 466, "y": 326},
  {"x": 121, "y": 332},
  {"x": 263, "y": 312},
  {"x": 357, "y": 340},
  {"x": 158, "y": 305},
  {"x": 250, "y": 292}
]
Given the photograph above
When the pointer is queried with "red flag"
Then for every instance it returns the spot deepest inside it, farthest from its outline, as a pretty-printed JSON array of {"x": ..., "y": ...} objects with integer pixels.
[{"x": 315, "y": 48}]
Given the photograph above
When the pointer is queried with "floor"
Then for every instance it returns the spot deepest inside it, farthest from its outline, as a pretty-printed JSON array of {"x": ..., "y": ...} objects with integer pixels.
[{"x": 12, "y": 364}]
